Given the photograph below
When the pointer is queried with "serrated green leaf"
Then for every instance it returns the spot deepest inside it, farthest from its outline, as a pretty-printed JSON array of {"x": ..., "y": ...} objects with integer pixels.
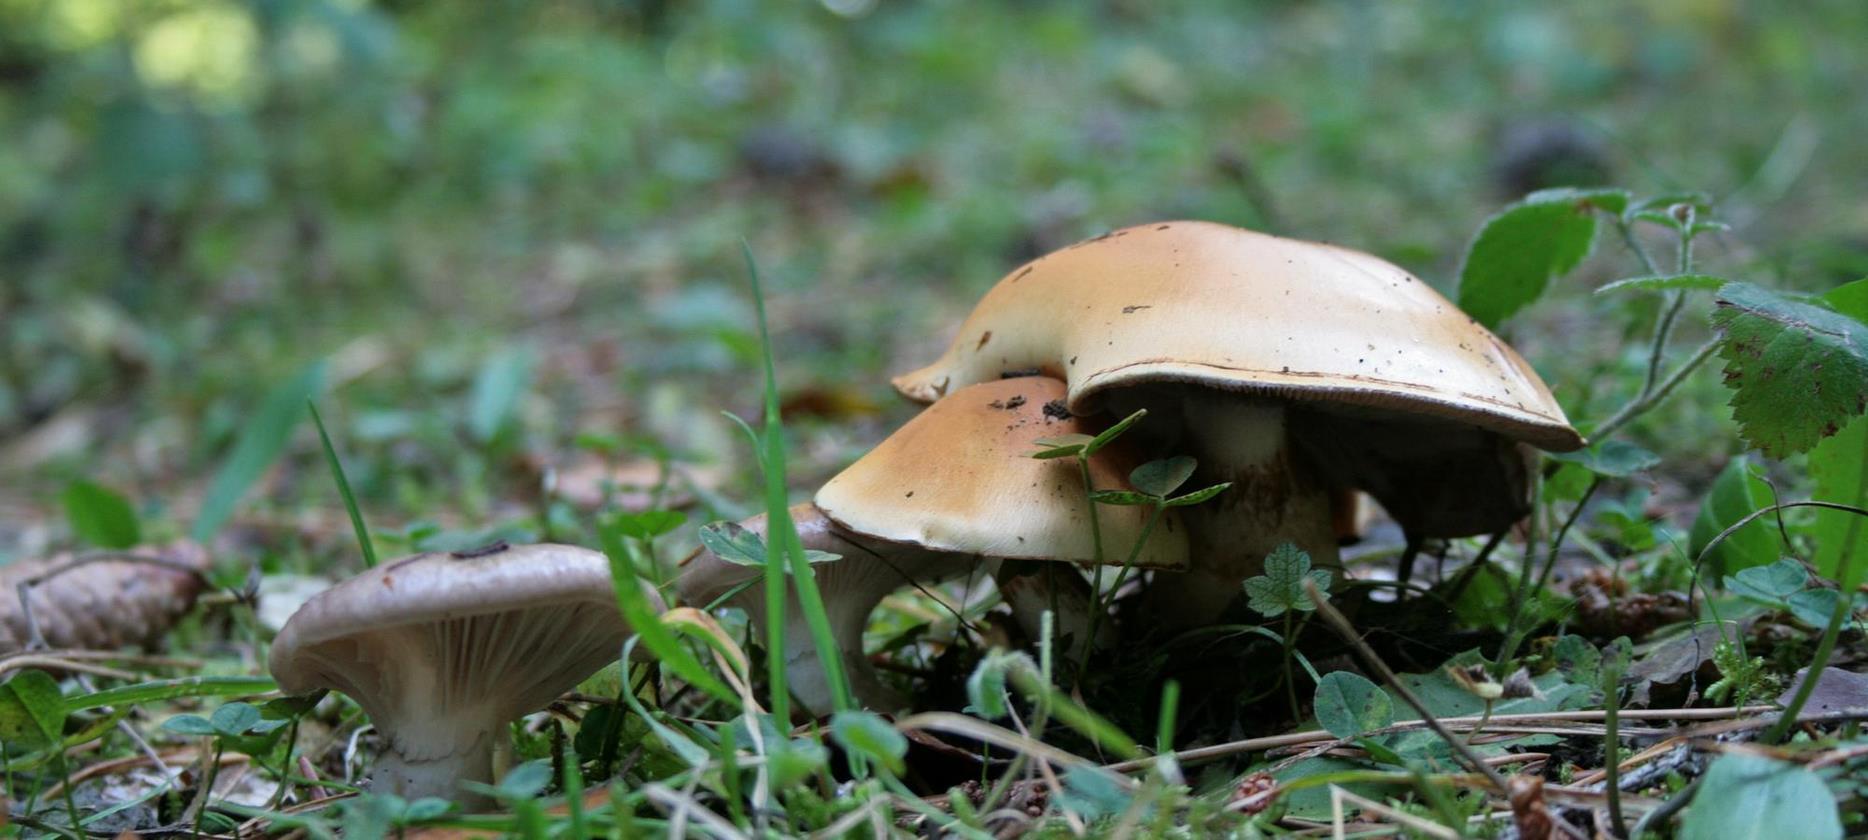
[
  {"x": 1663, "y": 282},
  {"x": 1349, "y": 705},
  {"x": 1799, "y": 372},
  {"x": 1734, "y": 494},
  {"x": 1750, "y": 797},
  {"x": 739, "y": 545},
  {"x": 868, "y": 735},
  {"x": 1281, "y": 587},
  {"x": 32, "y": 710},
  {"x": 1164, "y": 476},
  {"x": 1613, "y": 458},
  {"x": 101, "y": 516},
  {"x": 1520, "y": 249},
  {"x": 1839, "y": 467}
]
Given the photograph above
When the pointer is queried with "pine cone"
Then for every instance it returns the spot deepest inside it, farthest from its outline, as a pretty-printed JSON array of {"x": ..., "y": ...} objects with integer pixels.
[{"x": 104, "y": 604}]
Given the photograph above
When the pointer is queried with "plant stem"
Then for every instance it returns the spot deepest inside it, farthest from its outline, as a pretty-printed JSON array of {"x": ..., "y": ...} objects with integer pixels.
[
  {"x": 1341, "y": 625},
  {"x": 1135, "y": 553},
  {"x": 1290, "y": 679},
  {"x": 1611, "y": 746},
  {"x": 1640, "y": 405},
  {"x": 1847, "y": 581}
]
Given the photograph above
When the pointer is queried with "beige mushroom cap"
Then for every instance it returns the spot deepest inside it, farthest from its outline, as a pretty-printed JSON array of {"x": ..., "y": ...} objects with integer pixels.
[
  {"x": 1217, "y": 306},
  {"x": 960, "y": 478}
]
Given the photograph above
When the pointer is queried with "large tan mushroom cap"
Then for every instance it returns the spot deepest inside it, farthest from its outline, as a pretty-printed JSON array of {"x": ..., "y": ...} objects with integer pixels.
[
  {"x": 960, "y": 478},
  {"x": 1217, "y": 306}
]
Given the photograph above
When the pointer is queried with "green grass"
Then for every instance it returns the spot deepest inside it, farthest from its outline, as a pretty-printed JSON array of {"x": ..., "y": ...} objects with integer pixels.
[{"x": 491, "y": 231}]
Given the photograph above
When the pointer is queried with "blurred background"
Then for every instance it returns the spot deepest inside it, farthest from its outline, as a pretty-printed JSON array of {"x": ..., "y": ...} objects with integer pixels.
[{"x": 499, "y": 241}]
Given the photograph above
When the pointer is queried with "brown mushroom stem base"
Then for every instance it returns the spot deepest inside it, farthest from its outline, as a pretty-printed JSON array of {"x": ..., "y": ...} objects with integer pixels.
[
  {"x": 413, "y": 770},
  {"x": 1274, "y": 499}
]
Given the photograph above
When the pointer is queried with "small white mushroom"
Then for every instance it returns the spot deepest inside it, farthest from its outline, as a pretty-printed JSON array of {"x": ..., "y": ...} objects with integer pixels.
[{"x": 444, "y": 650}]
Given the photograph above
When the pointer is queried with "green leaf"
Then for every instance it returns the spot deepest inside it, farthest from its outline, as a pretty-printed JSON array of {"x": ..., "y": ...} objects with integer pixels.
[
  {"x": 1061, "y": 446},
  {"x": 262, "y": 438},
  {"x": 32, "y": 710},
  {"x": 496, "y": 391},
  {"x": 650, "y": 524},
  {"x": 867, "y": 734},
  {"x": 1611, "y": 458},
  {"x": 158, "y": 690},
  {"x": 234, "y": 719},
  {"x": 1735, "y": 494},
  {"x": 1773, "y": 585},
  {"x": 1281, "y": 587},
  {"x": 1122, "y": 498},
  {"x": 1198, "y": 496},
  {"x": 1093, "y": 793},
  {"x": 1518, "y": 250},
  {"x": 1839, "y": 466},
  {"x": 985, "y": 688},
  {"x": 1750, "y": 797},
  {"x": 101, "y": 516},
  {"x": 1108, "y": 436},
  {"x": 1663, "y": 282},
  {"x": 1799, "y": 371},
  {"x": 189, "y": 725},
  {"x": 1349, "y": 706},
  {"x": 336, "y": 466},
  {"x": 1159, "y": 478},
  {"x": 1814, "y": 607},
  {"x": 644, "y": 620},
  {"x": 736, "y": 544}
]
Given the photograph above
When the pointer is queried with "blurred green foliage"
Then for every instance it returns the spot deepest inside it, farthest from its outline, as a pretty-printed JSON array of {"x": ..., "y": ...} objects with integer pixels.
[{"x": 198, "y": 197}]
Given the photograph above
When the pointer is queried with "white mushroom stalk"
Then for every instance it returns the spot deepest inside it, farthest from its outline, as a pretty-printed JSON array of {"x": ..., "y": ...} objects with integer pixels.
[{"x": 443, "y": 651}]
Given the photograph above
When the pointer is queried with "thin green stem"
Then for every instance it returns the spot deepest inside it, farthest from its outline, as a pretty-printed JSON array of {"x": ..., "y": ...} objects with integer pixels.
[
  {"x": 1135, "y": 553},
  {"x": 1848, "y": 581},
  {"x": 1628, "y": 238},
  {"x": 1290, "y": 677},
  {"x": 1611, "y": 746},
  {"x": 1635, "y": 408}
]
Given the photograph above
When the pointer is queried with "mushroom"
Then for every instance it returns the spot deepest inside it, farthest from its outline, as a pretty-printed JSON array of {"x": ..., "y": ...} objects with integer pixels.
[
  {"x": 1293, "y": 369},
  {"x": 443, "y": 650},
  {"x": 952, "y": 486}
]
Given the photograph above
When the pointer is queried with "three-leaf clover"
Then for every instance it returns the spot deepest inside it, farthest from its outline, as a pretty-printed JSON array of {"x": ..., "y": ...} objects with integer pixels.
[
  {"x": 1156, "y": 481},
  {"x": 1281, "y": 587},
  {"x": 737, "y": 544}
]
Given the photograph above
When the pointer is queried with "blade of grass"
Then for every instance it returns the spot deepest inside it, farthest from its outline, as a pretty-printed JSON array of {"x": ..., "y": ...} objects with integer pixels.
[
  {"x": 647, "y": 625},
  {"x": 343, "y": 489},
  {"x": 154, "y": 690},
  {"x": 782, "y": 542},
  {"x": 264, "y": 436}
]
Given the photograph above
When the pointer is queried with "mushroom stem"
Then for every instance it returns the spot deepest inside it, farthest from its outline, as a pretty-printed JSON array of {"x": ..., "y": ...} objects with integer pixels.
[
  {"x": 1275, "y": 498},
  {"x": 413, "y": 765},
  {"x": 1031, "y": 587}
]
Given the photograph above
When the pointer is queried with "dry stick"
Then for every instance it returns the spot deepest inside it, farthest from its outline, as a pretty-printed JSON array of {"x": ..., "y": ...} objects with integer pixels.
[
  {"x": 1202, "y": 755},
  {"x": 1341, "y": 625}
]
